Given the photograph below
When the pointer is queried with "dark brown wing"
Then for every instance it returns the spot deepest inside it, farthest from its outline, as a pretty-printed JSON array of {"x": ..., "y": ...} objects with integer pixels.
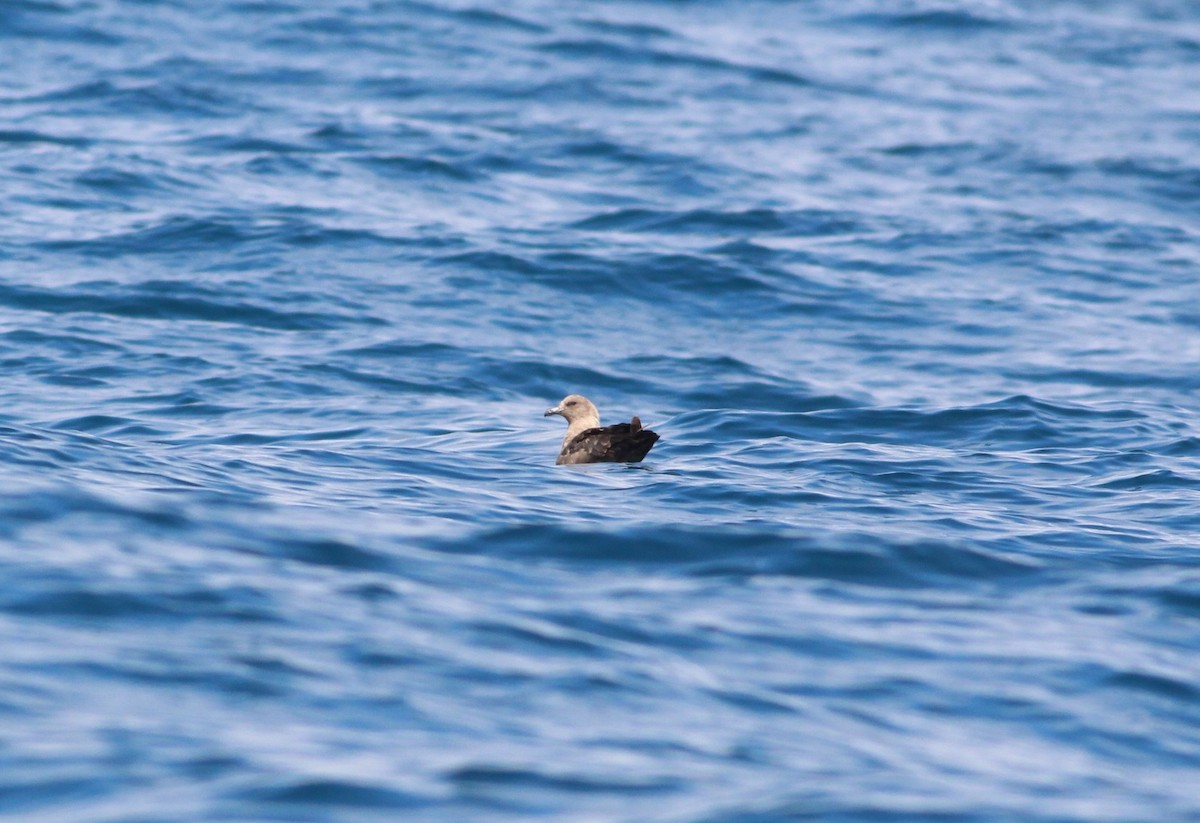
[{"x": 622, "y": 443}]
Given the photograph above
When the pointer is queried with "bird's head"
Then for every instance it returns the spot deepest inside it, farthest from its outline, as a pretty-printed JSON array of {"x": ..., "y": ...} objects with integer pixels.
[{"x": 577, "y": 409}]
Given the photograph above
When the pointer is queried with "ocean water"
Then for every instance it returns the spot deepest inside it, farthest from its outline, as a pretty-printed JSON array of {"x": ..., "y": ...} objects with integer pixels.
[{"x": 910, "y": 290}]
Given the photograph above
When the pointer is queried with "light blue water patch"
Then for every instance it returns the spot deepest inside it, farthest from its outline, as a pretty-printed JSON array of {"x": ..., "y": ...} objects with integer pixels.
[{"x": 908, "y": 291}]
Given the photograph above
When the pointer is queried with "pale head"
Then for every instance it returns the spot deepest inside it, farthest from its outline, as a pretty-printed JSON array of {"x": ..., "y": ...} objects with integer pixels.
[{"x": 581, "y": 414}]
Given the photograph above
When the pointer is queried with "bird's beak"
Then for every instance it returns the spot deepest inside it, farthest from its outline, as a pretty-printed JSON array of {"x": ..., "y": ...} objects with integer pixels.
[{"x": 555, "y": 410}]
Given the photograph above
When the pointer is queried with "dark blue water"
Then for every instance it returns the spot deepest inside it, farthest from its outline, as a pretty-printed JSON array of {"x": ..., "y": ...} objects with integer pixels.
[{"x": 909, "y": 289}]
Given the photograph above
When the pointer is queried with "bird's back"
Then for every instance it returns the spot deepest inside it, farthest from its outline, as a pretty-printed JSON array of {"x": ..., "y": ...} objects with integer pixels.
[{"x": 622, "y": 443}]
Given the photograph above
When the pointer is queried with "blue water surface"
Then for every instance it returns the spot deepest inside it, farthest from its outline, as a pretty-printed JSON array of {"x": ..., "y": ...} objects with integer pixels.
[{"x": 909, "y": 288}]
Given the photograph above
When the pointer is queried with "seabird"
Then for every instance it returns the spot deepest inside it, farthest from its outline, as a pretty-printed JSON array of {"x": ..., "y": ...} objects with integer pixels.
[{"x": 589, "y": 442}]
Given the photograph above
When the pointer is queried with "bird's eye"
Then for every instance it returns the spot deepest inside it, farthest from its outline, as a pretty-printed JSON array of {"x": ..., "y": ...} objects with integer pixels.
[{"x": 570, "y": 402}]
